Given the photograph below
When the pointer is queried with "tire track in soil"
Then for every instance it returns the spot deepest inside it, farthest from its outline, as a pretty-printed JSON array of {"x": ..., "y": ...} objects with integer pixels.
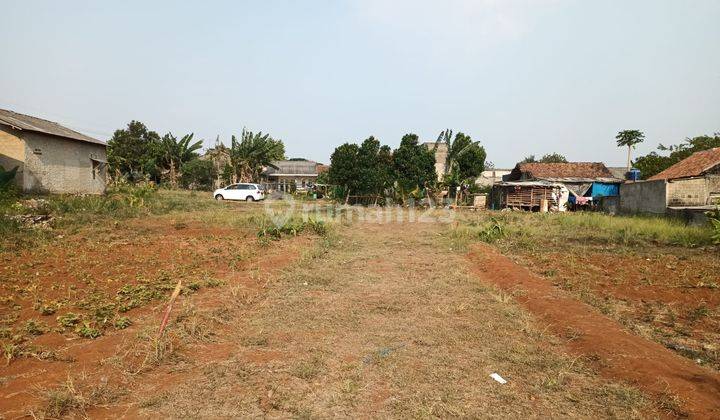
[{"x": 619, "y": 354}]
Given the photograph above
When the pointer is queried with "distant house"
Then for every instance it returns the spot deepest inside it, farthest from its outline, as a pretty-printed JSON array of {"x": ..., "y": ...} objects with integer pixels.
[
  {"x": 699, "y": 164},
  {"x": 690, "y": 187},
  {"x": 51, "y": 158},
  {"x": 583, "y": 179},
  {"x": 489, "y": 177},
  {"x": 292, "y": 174}
]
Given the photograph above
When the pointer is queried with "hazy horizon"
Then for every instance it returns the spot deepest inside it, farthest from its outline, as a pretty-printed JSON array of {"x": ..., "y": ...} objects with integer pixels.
[{"x": 523, "y": 77}]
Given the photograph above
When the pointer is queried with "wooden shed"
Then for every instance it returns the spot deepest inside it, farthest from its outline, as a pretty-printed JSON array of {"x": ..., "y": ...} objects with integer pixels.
[{"x": 528, "y": 195}]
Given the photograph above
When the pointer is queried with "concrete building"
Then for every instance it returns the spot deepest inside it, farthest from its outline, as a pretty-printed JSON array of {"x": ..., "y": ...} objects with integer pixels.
[
  {"x": 292, "y": 175},
  {"x": 51, "y": 158},
  {"x": 688, "y": 188},
  {"x": 492, "y": 176}
]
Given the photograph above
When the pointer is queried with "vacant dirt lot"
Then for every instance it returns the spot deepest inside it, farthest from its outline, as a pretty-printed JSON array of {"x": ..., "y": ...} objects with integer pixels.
[{"x": 368, "y": 319}]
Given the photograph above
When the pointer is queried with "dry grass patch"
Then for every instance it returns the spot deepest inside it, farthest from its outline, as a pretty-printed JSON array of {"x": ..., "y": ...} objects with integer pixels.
[{"x": 385, "y": 320}]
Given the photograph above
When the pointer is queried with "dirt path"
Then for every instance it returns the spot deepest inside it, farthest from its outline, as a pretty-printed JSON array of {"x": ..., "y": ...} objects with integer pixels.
[
  {"x": 384, "y": 321},
  {"x": 677, "y": 383}
]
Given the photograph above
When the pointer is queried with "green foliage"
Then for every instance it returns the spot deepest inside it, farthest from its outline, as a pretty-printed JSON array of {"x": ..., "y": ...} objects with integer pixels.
[
  {"x": 654, "y": 163},
  {"x": 714, "y": 218},
  {"x": 86, "y": 330},
  {"x": 492, "y": 232},
  {"x": 374, "y": 167},
  {"x": 197, "y": 174},
  {"x": 536, "y": 229},
  {"x": 553, "y": 158},
  {"x": 469, "y": 157},
  {"x": 173, "y": 153},
  {"x": 465, "y": 159},
  {"x": 6, "y": 179},
  {"x": 414, "y": 164},
  {"x": 343, "y": 167},
  {"x": 122, "y": 322},
  {"x": 292, "y": 227},
  {"x": 629, "y": 138},
  {"x": 68, "y": 320},
  {"x": 323, "y": 178},
  {"x": 547, "y": 158},
  {"x": 34, "y": 327},
  {"x": 252, "y": 152},
  {"x": 133, "y": 151}
]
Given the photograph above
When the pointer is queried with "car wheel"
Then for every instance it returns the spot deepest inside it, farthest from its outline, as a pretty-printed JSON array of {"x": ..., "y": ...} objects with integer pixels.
[
  {"x": 219, "y": 197},
  {"x": 249, "y": 198}
]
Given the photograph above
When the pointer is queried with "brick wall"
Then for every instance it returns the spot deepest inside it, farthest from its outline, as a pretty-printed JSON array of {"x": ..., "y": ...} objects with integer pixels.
[
  {"x": 687, "y": 192},
  {"x": 57, "y": 165}
]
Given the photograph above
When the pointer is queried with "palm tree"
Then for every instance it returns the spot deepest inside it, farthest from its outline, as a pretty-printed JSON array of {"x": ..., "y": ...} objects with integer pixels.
[
  {"x": 175, "y": 152},
  {"x": 252, "y": 153},
  {"x": 629, "y": 138}
]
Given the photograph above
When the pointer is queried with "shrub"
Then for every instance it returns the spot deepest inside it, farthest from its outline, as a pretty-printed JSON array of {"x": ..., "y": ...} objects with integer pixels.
[
  {"x": 68, "y": 320},
  {"x": 87, "y": 331},
  {"x": 6, "y": 178},
  {"x": 492, "y": 232},
  {"x": 714, "y": 217},
  {"x": 122, "y": 323},
  {"x": 35, "y": 327}
]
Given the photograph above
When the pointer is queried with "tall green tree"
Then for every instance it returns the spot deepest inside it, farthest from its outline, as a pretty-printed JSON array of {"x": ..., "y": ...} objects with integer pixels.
[
  {"x": 344, "y": 171},
  {"x": 629, "y": 139},
  {"x": 197, "y": 174},
  {"x": 253, "y": 152},
  {"x": 414, "y": 164},
  {"x": 469, "y": 157},
  {"x": 374, "y": 167},
  {"x": 133, "y": 152},
  {"x": 174, "y": 153}
]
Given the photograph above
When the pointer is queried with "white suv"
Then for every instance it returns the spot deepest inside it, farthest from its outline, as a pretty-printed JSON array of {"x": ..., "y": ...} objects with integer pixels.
[{"x": 247, "y": 192}]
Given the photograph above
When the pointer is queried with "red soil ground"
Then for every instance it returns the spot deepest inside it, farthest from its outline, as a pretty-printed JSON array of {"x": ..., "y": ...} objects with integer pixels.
[{"x": 616, "y": 353}]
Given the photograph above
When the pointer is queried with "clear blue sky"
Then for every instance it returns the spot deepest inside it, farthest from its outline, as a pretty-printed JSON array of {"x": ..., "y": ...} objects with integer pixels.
[{"x": 523, "y": 77}]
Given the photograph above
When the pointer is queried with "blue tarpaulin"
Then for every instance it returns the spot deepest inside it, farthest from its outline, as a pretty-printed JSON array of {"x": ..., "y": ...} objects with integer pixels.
[{"x": 601, "y": 189}]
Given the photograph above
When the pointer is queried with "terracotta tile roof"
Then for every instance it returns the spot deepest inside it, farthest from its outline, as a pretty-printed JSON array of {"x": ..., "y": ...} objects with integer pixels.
[
  {"x": 27, "y": 123},
  {"x": 695, "y": 165},
  {"x": 560, "y": 170}
]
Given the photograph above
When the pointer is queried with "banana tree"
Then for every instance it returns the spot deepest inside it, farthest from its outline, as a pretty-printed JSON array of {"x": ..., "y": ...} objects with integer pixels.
[
  {"x": 175, "y": 152},
  {"x": 252, "y": 153},
  {"x": 464, "y": 159}
]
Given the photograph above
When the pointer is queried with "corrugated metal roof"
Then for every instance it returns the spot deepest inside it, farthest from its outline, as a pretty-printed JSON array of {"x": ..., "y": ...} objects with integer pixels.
[
  {"x": 293, "y": 167},
  {"x": 695, "y": 165},
  {"x": 27, "y": 123}
]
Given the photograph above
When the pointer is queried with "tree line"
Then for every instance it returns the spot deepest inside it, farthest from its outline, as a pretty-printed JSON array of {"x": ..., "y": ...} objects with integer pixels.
[
  {"x": 136, "y": 153},
  {"x": 370, "y": 168},
  {"x": 653, "y": 163}
]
